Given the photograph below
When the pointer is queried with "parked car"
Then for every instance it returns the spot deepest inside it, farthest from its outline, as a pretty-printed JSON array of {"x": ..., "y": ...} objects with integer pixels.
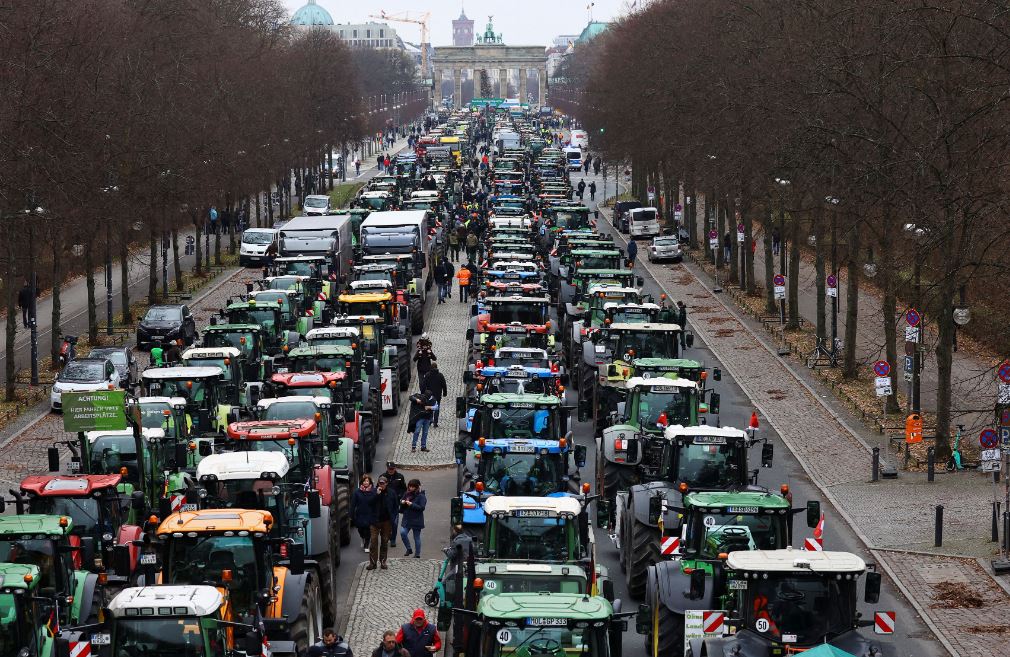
[
  {"x": 164, "y": 323},
  {"x": 83, "y": 375},
  {"x": 643, "y": 222},
  {"x": 666, "y": 247},
  {"x": 123, "y": 360},
  {"x": 621, "y": 209},
  {"x": 315, "y": 204}
]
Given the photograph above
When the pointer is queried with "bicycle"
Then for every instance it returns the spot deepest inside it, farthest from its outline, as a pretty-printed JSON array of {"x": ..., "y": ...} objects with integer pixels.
[
  {"x": 821, "y": 350},
  {"x": 954, "y": 462}
]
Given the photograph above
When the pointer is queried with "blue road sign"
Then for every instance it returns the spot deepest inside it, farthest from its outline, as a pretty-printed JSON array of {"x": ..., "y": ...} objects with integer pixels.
[
  {"x": 881, "y": 368},
  {"x": 913, "y": 317},
  {"x": 1004, "y": 436},
  {"x": 909, "y": 363},
  {"x": 988, "y": 439}
]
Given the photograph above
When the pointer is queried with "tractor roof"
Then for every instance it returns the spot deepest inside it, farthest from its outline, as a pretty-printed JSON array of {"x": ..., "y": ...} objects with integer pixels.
[
  {"x": 526, "y": 607},
  {"x": 318, "y": 400},
  {"x": 324, "y": 332},
  {"x": 18, "y": 577},
  {"x": 729, "y": 501},
  {"x": 321, "y": 350},
  {"x": 795, "y": 561},
  {"x": 666, "y": 364},
  {"x": 702, "y": 431},
  {"x": 161, "y": 601},
  {"x": 35, "y": 523},
  {"x": 613, "y": 305},
  {"x": 515, "y": 400},
  {"x": 69, "y": 485},
  {"x": 517, "y": 298},
  {"x": 659, "y": 382},
  {"x": 174, "y": 373},
  {"x": 228, "y": 466},
  {"x": 252, "y": 304},
  {"x": 211, "y": 352},
  {"x": 301, "y": 258},
  {"x": 596, "y": 252},
  {"x": 654, "y": 327},
  {"x": 271, "y": 295},
  {"x": 553, "y": 506},
  {"x": 156, "y": 433},
  {"x": 272, "y": 429},
  {"x": 486, "y": 569},
  {"x": 232, "y": 328},
  {"x": 359, "y": 287},
  {"x": 522, "y": 445},
  {"x": 365, "y": 297},
  {"x": 308, "y": 379},
  {"x": 216, "y": 521},
  {"x": 608, "y": 291}
]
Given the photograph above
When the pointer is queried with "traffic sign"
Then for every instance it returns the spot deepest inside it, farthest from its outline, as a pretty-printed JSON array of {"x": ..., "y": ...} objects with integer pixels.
[
  {"x": 883, "y": 622},
  {"x": 990, "y": 466},
  {"x": 740, "y": 228},
  {"x": 678, "y": 207},
  {"x": 990, "y": 454},
  {"x": 1003, "y": 373},
  {"x": 1004, "y": 436},
  {"x": 832, "y": 280},
  {"x": 911, "y": 334},
  {"x": 1004, "y": 416},
  {"x": 1003, "y": 393},
  {"x": 881, "y": 368},
  {"x": 913, "y": 317},
  {"x": 882, "y": 384},
  {"x": 909, "y": 363},
  {"x": 988, "y": 439},
  {"x": 713, "y": 234},
  {"x": 779, "y": 279}
]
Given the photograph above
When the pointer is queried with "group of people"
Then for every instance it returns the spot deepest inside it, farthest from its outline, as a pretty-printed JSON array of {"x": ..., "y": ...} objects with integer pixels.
[
  {"x": 416, "y": 638},
  {"x": 379, "y": 508}
]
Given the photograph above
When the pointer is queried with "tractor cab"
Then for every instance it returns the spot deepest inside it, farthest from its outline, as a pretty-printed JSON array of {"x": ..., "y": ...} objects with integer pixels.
[
  {"x": 536, "y": 529},
  {"x": 395, "y": 316},
  {"x": 286, "y": 300},
  {"x": 165, "y": 413},
  {"x": 249, "y": 339},
  {"x": 234, "y": 389},
  {"x": 516, "y": 379},
  {"x": 202, "y": 388}
]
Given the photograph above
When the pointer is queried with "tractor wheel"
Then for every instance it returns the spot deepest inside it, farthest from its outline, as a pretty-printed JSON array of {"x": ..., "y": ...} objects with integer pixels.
[
  {"x": 395, "y": 385},
  {"x": 642, "y": 552},
  {"x": 587, "y": 381},
  {"x": 416, "y": 316},
  {"x": 344, "y": 514},
  {"x": 328, "y": 564},
  {"x": 307, "y": 627},
  {"x": 403, "y": 364},
  {"x": 367, "y": 441},
  {"x": 666, "y": 632},
  {"x": 359, "y": 459},
  {"x": 616, "y": 478}
]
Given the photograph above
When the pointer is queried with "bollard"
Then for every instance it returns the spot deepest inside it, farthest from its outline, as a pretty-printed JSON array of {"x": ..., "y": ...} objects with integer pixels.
[
  {"x": 938, "y": 529},
  {"x": 930, "y": 464},
  {"x": 876, "y": 464},
  {"x": 995, "y": 523}
]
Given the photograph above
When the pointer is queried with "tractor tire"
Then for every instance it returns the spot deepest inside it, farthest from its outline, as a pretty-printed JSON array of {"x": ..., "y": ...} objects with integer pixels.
[
  {"x": 642, "y": 552},
  {"x": 617, "y": 478},
  {"x": 666, "y": 632},
  {"x": 403, "y": 366},
  {"x": 367, "y": 440},
  {"x": 587, "y": 382},
  {"x": 396, "y": 385},
  {"x": 328, "y": 564},
  {"x": 307, "y": 627},
  {"x": 359, "y": 459},
  {"x": 343, "y": 508},
  {"x": 416, "y": 316}
]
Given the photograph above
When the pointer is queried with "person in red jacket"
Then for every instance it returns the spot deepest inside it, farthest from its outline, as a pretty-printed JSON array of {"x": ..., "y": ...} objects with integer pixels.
[{"x": 419, "y": 637}]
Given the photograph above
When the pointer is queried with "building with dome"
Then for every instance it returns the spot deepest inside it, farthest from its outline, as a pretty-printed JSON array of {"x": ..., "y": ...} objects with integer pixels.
[
  {"x": 355, "y": 35},
  {"x": 312, "y": 15}
]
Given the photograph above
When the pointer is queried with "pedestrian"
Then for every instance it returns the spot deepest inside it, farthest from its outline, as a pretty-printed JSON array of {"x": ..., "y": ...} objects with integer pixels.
[
  {"x": 385, "y": 163},
  {"x": 412, "y": 509},
  {"x": 385, "y": 504},
  {"x": 463, "y": 276},
  {"x": 471, "y": 246},
  {"x": 632, "y": 251},
  {"x": 682, "y": 322},
  {"x": 424, "y": 356},
  {"x": 213, "y": 219},
  {"x": 390, "y": 647},
  {"x": 592, "y": 191},
  {"x": 727, "y": 247},
  {"x": 173, "y": 355},
  {"x": 378, "y": 162},
  {"x": 434, "y": 384},
  {"x": 361, "y": 509},
  {"x": 776, "y": 241},
  {"x": 330, "y": 645},
  {"x": 454, "y": 245},
  {"x": 269, "y": 256},
  {"x": 597, "y": 165},
  {"x": 25, "y": 302},
  {"x": 157, "y": 355},
  {"x": 441, "y": 280},
  {"x": 357, "y": 166},
  {"x": 398, "y": 485},
  {"x": 587, "y": 164},
  {"x": 421, "y": 407},
  {"x": 419, "y": 637},
  {"x": 582, "y": 188}
]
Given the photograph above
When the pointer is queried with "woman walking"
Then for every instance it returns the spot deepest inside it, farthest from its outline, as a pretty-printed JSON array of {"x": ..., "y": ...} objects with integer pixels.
[
  {"x": 412, "y": 516},
  {"x": 363, "y": 510}
]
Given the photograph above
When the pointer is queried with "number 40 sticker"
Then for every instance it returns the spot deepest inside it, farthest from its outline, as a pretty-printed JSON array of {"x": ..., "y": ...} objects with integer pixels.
[{"x": 504, "y": 636}]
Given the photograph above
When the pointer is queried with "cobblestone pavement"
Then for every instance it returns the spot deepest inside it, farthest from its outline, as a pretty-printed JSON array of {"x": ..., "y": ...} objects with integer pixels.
[
  {"x": 23, "y": 450},
  {"x": 382, "y": 600},
  {"x": 446, "y": 325}
]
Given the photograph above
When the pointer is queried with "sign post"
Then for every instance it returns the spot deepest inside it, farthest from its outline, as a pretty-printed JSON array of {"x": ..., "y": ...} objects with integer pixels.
[
  {"x": 882, "y": 382},
  {"x": 913, "y": 336}
]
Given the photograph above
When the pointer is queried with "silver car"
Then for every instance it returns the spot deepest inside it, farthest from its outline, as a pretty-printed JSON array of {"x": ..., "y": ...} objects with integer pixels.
[{"x": 666, "y": 247}]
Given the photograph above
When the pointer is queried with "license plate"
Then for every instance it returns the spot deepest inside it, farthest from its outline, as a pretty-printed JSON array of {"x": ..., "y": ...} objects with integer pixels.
[
  {"x": 188, "y": 507},
  {"x": 74, "y": 466},
  {"x": 521, "y": 448},
  {"x": 548, "y": 622},
  {"x": 101, "y": 639},
  {"x": 710, "y": 440},
  {"x": 737, "y": 585},
  {"x": 531, "y": 513},
  {"x": 148, "y": 559},
  {"x": 741, "y": 509}
]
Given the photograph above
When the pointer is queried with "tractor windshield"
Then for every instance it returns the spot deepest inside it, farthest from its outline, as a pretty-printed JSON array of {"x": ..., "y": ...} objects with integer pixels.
[
  {"x": 598, "y": 261},
  {"x": 663, "y": 406},
  {"x": 334, "y": 341},
  {"x": 15, "y": 626},
  {"x": 83, "y": 511},
  {"x": 245, "y": 494},
  {"x": 522, "y": 423},
  {"x": 265, "y": 317},
  {"x": 302, "y": 268},
  {"x": 521, "y": 474},
  {"x": 737, "y": 528},
  {"x": 31, "y": 552},
  {"x": 571, "y": 219},
  {"x": 152, "y": 416},
  {"x": 524, "y": 312},
  {"x": 546, "y": 641},
  {"x": 706, "y": 467},
  {"x": 318, "y": 364},
  {"x": 213, "y": 362},
  {"x": 519, "y": 386},
  {"x": 204, "y": 560},
  {"x": 291, "y": 410},
  {"x": 195, "y": 391},
  {"x": 645, "y": 344},
  {"x": 520, "y": 340},
  {"x": 285, "y": 283},
  {"x": 109, "y": 454},
  {"x": 166, "y": 637},
  {"x": 241, "y": 340},
  {"x": 809, "y": 606},
  {"x": 306, "y": 391},
  {"x": 532, "y": 538}
]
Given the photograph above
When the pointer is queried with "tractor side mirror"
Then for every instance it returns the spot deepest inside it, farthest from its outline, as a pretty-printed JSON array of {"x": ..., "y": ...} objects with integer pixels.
[
  {"x": 581, "y": 451},
  {"x": 138, "y": 504},
  {"x": 369, "y": 367},
  {"x": 713, "y": 403},
  {"x": 181, "y": 454},
  {"x": 456, "y": 511},
  {"x": 296, "y": 558},
  {"x": 655, "y": 509},
  {"x": 54, "y": 459},
  {"x": 459, "y": 450},
  {"x": 468, "y": 377},
  {"x": 697, "y": 584},
  {"x": 689, "y": 340},
  {"x": 603, "y": 513},
  {"x": 872, "y": 593},
  {"x": 767, "y": 455},
  {"x": 469, "y": 331},
  {"x": 252, "y": 642},
  {"x": 460, "y": 407},
  {"x": 204, "y": 448},
  {"x": 643, "y": 619},
  {"x": 315, "y": 504},
  {"x": 813, "y": 513},
  {"x": 632, "y": 449},
  {"x": 640, "y": 281},
  {"x": 716, "y": 374}
]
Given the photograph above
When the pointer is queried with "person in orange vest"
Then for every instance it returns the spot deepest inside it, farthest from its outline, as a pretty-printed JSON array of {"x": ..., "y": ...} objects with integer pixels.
[{"x": 463, "y": 276}]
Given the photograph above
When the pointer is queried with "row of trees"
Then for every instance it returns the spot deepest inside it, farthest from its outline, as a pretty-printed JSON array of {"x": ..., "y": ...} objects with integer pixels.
[
  {"x": 124, "y": 121},
  {"x": 877, "y": 130}
]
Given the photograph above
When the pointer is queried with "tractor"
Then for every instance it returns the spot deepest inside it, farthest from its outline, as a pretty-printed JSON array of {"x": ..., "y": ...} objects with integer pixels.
[
  {"x": 203, "y": 388},
  {"x": 261, "y": 310},
  {"x": 237, "y": 389}
]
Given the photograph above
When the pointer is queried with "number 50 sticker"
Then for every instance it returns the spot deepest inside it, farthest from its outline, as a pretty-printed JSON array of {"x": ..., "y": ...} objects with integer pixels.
[{"x": 504, "y": 636}]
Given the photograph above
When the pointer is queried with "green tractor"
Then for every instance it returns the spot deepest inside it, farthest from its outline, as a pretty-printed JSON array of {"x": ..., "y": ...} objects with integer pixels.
[
  {"x": 236, "y": 389},
  {"x": 391, "y": 356},
  {"x": 692, "y": 575},
  {"x": 279, "y": 329},
  {"x": 203, "y": 388},
  {"x": 29, "y": 616},
  {"x": 251, "y": 342}
]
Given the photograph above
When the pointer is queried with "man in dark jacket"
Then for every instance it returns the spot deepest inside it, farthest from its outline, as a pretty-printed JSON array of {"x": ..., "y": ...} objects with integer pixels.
[
  {"x": 682, "y": 321},
  {"x": 412, "y": 508},
  {"x": 398, "y": 485},
  {"x": 421, "y": 406},
  {"x": 385, "y": 505},
  {"x": 331, "y": 645},
  {"x": 419, "y": 637},
  {"x": 389, "y": 647},
  {"x": 434, "y": 384},
  {"x": 424, "y": 356},
  {"x": 632, "y": 251},
  {"x": 25, "y": 302}
]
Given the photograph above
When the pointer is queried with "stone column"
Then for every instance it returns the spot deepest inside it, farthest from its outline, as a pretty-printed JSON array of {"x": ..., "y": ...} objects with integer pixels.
[
  {"x": 457, "y": 87},
  {"x": 542, "y": 84},
  {"x": 523, "y": 75},
  {"x": 503, "y": 83},
  {"x": 436, "y": 76}
]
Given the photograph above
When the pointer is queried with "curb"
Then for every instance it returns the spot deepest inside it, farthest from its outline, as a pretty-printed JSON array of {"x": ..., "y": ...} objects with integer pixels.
[{"x": 355, "y": 580}]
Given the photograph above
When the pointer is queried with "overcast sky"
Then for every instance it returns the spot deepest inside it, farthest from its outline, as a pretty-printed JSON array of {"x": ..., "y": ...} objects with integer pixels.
[{"x": 521, "y": 22}]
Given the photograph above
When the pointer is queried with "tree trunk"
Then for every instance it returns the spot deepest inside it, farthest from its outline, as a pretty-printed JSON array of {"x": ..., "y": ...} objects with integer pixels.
[
  {"x": 851, "y": 301},
  {"x": 12, "y": 320},
  {"x": 152, "y": 270},
  {"x": 748, "y": 244},
  {"x": 794, "y": 271},
  {"x": 198, "y": 269},
  {"x": 232, "y": 221},
  {"x": 818, "y": 227},
  {"x": 889, "y": 308},
  {"x": 734, "y": 247},
  {"x": 89, "y": 281},
  {"x": 54, "y": 333},
  {"x": 259, "y": 218},
  {"x": 770, "y": 306},
  {"x": 944, "y": 312},
  {"x": 176, "y": 265},
  {"x": 124, "y": 277},
  {"x": 217, "y": 244}
]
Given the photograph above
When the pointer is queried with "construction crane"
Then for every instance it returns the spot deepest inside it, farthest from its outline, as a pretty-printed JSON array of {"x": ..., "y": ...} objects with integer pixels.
[{"x": 417, "y": 19}]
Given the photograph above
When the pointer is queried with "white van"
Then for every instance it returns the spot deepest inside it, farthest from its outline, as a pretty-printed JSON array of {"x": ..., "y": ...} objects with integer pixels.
[
  {"x": 579, "y": 139},
  {"x": 643, "y": 222},
  {"x": 574, "y": 156},
  {"x": 254, "y": 245}
]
